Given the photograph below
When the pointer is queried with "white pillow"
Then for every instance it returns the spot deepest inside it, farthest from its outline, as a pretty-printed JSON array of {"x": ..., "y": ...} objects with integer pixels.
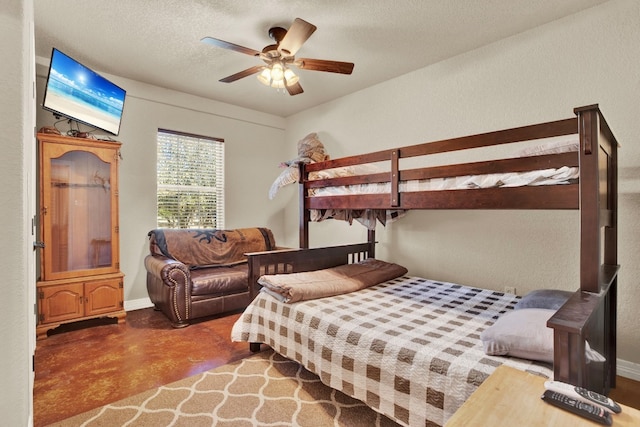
[
  {"x": 521, "y": 333},
  {"x": 524, "y": 333}
]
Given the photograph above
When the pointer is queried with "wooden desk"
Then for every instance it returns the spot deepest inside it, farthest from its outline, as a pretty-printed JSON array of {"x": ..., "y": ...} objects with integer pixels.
[{"x": 510, "y": 397}]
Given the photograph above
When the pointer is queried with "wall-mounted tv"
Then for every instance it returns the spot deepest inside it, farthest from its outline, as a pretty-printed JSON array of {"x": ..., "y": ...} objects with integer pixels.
[{"x": 79, "y": 93}]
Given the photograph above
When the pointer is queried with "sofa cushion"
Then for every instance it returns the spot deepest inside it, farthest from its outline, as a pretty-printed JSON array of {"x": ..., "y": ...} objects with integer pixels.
[
  {"x": 199, "y": 248},
  {"x": 219, "y": 280}
]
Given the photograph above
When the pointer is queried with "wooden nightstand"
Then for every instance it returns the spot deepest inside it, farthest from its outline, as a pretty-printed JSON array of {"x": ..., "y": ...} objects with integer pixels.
[{"x": 510, "y": 397}]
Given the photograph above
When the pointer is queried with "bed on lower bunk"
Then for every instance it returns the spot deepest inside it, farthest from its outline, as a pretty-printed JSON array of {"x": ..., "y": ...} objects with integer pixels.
[{"x": 414, "y": 349}]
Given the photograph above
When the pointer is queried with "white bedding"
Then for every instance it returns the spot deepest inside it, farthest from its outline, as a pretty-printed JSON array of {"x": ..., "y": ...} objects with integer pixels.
[
  {"x": 559, "y": 176},
  {"x": 563, "y": 175}
]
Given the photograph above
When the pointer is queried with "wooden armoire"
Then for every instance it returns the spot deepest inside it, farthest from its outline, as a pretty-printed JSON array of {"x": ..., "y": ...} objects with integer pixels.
[{"x": 80, "y": 275}]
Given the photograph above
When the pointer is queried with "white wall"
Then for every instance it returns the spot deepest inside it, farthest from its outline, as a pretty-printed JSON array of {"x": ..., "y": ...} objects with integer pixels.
[
  {"x": 252, "y": 143},
  {"x": 591, "y": 57},
  {"x": 17, "y": 142}
]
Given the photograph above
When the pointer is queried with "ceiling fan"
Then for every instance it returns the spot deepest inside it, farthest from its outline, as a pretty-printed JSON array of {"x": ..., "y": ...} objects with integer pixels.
[{"x": 279, "y": 56}]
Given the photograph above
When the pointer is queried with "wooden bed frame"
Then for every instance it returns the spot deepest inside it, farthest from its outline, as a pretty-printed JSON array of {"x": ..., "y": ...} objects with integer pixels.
[{"x": 590, "y": 314}]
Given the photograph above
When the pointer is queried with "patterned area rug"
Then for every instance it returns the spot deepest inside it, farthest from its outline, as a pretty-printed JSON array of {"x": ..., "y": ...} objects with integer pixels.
[{"x": 262, "y": 390}]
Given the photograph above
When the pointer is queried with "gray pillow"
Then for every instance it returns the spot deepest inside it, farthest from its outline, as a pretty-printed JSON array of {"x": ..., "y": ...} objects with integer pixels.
[{"x": 551, "y": 299}]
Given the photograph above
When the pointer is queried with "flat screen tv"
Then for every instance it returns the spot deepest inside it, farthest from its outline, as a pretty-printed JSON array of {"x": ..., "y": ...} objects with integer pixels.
[{"x": 79, "y": 93}]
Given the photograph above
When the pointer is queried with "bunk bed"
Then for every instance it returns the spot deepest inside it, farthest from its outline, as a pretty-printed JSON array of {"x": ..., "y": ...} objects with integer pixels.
[{"x": 316, "y": 333}]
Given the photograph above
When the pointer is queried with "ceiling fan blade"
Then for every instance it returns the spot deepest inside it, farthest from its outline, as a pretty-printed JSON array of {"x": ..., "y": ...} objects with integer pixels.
[
  {"x": 231, "y": 46},
  {"x": 297, "y": 34},
  {"x": 323, "y": 65},
  {"x": 294, "y": 89},
  {"x": 244, "y": 73}
]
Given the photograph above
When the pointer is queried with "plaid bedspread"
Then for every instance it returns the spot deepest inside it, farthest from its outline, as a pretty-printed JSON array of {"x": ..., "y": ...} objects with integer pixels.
[{"x": 409, "y": 348}]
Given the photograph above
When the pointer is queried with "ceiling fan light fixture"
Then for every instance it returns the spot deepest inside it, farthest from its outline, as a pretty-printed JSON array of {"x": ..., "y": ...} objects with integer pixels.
[
  {"x": 277, "y": 76},
  {"x": 290, "y": 77},
  {"x": 278, "y": 84},
  {"x": 265, "y": 77},
  {"x": 277, "y": 72}
]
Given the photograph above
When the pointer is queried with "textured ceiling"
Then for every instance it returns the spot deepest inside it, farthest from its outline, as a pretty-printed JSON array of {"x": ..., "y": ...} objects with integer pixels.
[{"x": 158, "y": 41}]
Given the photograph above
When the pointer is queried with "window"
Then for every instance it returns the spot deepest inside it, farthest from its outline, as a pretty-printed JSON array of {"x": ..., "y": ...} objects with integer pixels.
[{"x": 190, "y": 181}]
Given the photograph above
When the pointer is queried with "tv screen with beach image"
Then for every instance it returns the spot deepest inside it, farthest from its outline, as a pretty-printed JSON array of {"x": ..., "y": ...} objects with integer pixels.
[{"x": 77, "y": 92}]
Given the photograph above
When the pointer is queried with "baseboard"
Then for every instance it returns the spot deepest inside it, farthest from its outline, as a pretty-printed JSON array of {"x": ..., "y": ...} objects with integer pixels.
[
  {"x": 628, "y": 369},
  {"x": 137, "y": 304}
]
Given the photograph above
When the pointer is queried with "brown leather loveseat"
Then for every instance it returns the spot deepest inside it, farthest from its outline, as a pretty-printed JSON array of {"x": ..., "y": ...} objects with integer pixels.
[{"x": 193, "y": 273}]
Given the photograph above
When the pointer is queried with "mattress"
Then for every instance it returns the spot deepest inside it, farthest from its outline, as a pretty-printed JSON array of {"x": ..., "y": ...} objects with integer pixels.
[{"x": 409, "y": 348}]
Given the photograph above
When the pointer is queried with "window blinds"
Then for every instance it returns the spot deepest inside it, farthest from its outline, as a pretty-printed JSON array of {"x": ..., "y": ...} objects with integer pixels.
[{"x": 190, "y": 181}]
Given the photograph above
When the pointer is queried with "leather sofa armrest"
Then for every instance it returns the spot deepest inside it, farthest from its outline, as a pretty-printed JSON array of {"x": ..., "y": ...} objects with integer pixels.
[
  {"x": 167, "y": 269},
  {"x": 169, "y": 288}
]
